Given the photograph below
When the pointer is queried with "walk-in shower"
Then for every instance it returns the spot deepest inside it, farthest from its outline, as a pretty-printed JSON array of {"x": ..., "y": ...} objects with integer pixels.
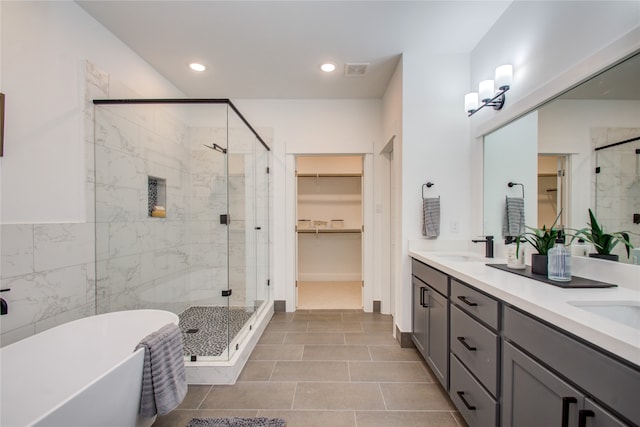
[
  {"x": 182, "y": 218},
  {"x": 617, "y": 190}
]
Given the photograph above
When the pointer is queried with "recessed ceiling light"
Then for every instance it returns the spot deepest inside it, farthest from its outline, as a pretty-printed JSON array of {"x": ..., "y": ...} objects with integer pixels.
[
  {"x": 328, "y": 67},
  {"x": 197, "y": 67}
]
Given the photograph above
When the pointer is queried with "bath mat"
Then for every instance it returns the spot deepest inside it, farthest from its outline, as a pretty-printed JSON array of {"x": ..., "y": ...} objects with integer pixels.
[{"x": 237, "y": 422}]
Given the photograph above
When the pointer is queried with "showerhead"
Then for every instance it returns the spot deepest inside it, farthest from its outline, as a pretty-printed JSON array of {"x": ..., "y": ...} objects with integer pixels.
[{"x": 216, "y": 147}]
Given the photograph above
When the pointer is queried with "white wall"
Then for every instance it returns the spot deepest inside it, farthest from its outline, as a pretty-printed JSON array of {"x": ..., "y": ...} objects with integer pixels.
[
  {"x": 435, "y": 147},
  {"x": 44, "y": 48},
  {"x": 552, "y": 46}
]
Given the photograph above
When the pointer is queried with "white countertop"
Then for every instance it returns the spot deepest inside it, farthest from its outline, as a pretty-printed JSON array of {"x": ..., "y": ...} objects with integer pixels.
[{"x": 545, "y": 301}]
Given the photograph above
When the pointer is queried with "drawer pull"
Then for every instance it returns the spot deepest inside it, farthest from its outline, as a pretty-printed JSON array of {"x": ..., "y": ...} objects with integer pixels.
[
  {"x": 566, "y": 401},
  {"x": 466, "y": 344},
  {"x": 466, "y": 301},
  {"x": 582, "y": 417},
  {"x": 422, "y": 297},
  {"x": 461, "y": 396}
]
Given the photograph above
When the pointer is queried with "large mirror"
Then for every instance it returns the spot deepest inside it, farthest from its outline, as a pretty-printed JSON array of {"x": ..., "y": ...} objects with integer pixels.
[{"x": 579, "y": 151}]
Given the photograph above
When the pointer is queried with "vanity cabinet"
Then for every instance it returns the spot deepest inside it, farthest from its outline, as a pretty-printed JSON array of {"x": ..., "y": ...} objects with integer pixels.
[
  {"x": 475, "y": 354},
  {"x": 430, "y": 321},
  {"x": 553, "y": 379},
  {"x": 507, "y": 368}
]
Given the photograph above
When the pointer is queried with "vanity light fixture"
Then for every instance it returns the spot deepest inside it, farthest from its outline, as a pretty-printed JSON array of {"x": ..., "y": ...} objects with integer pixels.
[
  {"x": 328, "y": 67},
  {"x": 197, "y": 67},
  {"x": 487, "y": 94}
]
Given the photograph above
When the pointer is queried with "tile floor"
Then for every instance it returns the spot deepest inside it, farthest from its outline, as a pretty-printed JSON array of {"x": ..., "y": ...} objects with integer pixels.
[{"x": 327, "y": 368}]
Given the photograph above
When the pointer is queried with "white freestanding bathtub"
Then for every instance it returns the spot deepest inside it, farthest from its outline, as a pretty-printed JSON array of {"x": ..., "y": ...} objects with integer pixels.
[{"x": 83, "y": 373}]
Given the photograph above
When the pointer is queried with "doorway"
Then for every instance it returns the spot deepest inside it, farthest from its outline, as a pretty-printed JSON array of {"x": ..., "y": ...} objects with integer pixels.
[
  {"x": 329, "y": 232},
  {"x": 552, "y": 189}
]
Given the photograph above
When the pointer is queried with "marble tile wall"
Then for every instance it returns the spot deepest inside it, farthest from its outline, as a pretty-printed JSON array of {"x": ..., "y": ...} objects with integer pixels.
[
  {"x": 50, "y": 271},
  {"x": 617, "y": 186}
]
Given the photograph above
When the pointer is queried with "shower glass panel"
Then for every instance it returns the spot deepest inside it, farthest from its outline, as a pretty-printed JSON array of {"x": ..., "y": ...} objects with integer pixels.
[
  {"x": 618, "y": 191},
  {"x": 177, "y": 210}
]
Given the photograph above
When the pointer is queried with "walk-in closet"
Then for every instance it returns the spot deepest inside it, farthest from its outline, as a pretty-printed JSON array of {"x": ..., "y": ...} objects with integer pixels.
[{"x": 329, "y": 232}]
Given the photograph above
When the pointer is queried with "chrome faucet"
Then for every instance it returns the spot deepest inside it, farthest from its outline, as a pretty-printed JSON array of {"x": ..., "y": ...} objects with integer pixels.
[{"x": 488, "y": 247}]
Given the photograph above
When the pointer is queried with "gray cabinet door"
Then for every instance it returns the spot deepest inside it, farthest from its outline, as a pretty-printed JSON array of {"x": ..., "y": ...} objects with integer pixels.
[
  {"x": 533, "y": 396},
  {"x": 594, "y": 415},
  {"x": 419, "y": 316},
  {"x": 438, "y": 332}
]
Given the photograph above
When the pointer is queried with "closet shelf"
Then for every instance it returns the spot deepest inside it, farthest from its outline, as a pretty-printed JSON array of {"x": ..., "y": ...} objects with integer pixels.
[{"x": 329, "y": 230}]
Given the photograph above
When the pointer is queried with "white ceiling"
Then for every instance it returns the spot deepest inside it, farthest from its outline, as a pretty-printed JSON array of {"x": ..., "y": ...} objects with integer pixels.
[{"x": 273, "y": 49}]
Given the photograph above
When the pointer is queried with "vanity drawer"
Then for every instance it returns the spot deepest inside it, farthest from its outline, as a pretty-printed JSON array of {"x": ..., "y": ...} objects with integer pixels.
[
  {"x": 475, "y": 303},
  {"x": 474, "y": 403},
  {"x": 431, "y": 276},
  {"x": 477, "y": 347}
]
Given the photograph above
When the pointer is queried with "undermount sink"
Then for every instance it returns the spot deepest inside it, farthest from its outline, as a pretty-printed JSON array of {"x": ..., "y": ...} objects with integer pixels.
[
  {"x": 625, "y": 312},
  {"x": 459, "y": 257}
]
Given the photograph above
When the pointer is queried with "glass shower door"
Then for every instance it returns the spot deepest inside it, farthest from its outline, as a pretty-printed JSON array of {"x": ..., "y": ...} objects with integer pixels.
[
  {"x": 618, "y": 191},
  {"x": 262, "y": 225},
  {"x": 242, "y": 228}
]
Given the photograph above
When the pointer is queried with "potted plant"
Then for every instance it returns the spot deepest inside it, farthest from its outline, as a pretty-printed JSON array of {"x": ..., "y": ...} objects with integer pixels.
[
  {"x": 542, "y": 239},
  {"x": 603, "y": 242}
]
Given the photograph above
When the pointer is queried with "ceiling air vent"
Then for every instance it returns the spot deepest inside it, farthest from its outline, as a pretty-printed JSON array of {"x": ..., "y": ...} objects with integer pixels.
[{"x": 355, "y": 70}]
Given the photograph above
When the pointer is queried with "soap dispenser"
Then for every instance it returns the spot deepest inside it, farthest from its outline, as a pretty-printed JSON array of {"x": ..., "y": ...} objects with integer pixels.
[
  {"x": 515, "y": 254},
  {"x": 580, "y": 248},
  {"x": 559, "y": 264}
]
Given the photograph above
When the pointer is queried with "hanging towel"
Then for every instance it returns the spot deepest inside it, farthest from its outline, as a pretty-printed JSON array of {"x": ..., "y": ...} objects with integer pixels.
[
  {"x": 513, "y": 223},
  {"x": 164, "y": 381},
  {"x": 431, "y": 217}
]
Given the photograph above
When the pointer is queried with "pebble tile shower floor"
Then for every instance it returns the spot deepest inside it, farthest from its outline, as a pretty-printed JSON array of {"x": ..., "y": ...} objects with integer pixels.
[
  {"x": 325, "y": 368},
  {"x": 204, "y": 329}
]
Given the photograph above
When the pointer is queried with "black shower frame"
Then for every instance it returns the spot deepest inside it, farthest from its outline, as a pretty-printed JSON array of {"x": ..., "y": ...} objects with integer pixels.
[
  {"x": 185, "y": 101},
  {"x": 617, "y": 143}
]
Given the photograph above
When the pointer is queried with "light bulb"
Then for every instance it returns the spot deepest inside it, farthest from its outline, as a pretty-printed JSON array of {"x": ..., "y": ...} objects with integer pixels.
[
  {"x": 197, "y": 67},
  {"x": 486, "y": 90},
  {"x": 504, "y": 75},
  {"x": 328, "y": 67},
  {"x": 470, "y": 101}
]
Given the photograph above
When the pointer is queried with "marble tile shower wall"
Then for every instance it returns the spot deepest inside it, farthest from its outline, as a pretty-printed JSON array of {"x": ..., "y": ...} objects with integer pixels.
[
  {"x": 618, "y": 183},
  {"x": 167, "y": 263},
  {"x": 209, "y": 250}
]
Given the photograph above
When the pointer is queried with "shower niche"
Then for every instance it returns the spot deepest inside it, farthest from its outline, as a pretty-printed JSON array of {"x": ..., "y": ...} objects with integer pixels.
[
  {"x": 186, "y": 162},
  {"x": 157, "y": 197}
]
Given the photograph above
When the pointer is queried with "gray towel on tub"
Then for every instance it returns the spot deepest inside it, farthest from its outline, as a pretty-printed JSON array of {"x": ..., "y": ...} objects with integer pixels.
[
  {"x": 164, "y": 381},
  {"x": 513, "y": 223},
  {"x": 431, "y": 217}
]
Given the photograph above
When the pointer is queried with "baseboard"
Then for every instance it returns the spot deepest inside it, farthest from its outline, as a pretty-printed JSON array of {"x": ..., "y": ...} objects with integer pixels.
[
  {"x": 404, "y": 338},
  {"x": 280, "y": 306},
  {"x": 376, "y": 306}
]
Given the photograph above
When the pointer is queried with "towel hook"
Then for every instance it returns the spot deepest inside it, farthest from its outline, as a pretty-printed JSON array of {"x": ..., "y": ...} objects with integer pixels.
[
  {"x": 428, "y": 185},
  {"x": 511, "y": 184}
]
